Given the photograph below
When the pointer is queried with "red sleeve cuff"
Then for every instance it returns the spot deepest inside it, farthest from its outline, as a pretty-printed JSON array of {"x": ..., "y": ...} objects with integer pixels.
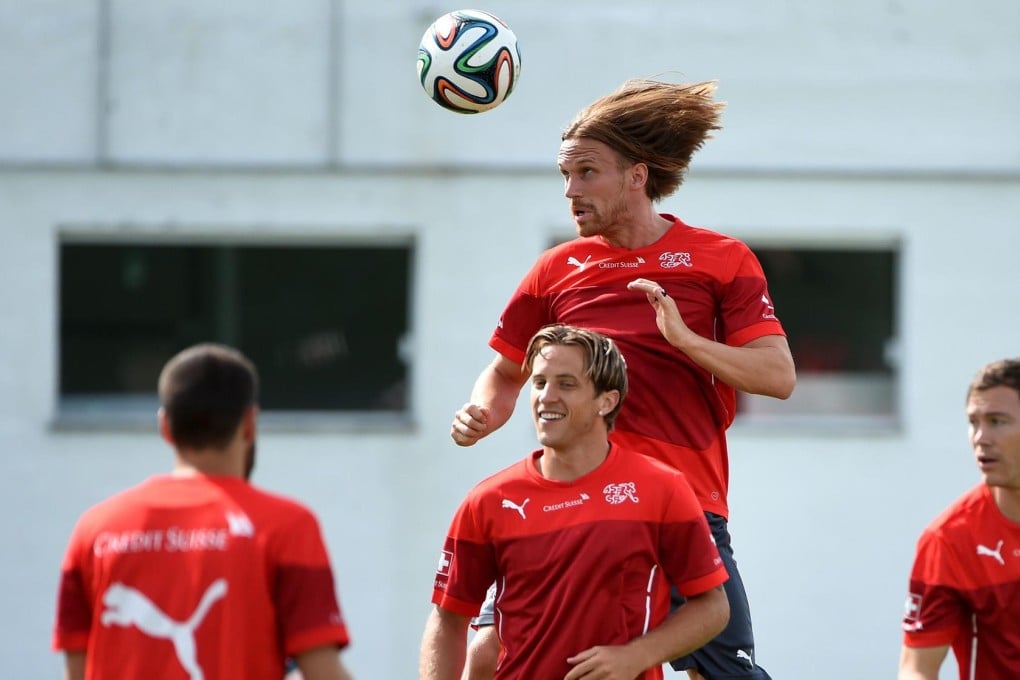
[
  {"x": 317, "y": 637},
  {"x": 462, "y": 607},
  {"x": 929, "y": 638},
  {"x": 753, "y": 332},
  {"x": 704, "y": 583},
  {"x": 506, "y": 349}
]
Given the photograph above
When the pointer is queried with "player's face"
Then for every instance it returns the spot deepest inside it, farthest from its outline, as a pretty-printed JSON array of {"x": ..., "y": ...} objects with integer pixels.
[
  {"x": 563, "y": 400},
  {"x": 994, "y": 416},
  {"x": 595, "y": 181}
]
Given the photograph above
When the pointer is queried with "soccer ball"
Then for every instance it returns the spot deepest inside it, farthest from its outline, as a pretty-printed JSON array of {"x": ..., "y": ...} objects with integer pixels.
[{"x": 469, "y": 61}]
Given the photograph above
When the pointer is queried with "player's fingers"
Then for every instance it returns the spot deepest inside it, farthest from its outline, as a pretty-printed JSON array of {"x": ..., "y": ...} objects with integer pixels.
[
  {"x": 582, "y": 656},
  {"x": 653, "y": 290}
]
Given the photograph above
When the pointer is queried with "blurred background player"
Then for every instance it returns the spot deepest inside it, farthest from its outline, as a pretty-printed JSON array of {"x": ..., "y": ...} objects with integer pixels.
[
  {"x": 965, "y": 583},
  {"x": 197, "y": 570},
  {"x": 712, "y": 328},
  {"x": 583, "y": 539}
]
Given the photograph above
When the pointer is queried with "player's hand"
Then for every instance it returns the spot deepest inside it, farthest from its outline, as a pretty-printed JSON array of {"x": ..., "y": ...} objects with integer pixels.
[
  {"x": 470, "y": 424},
  {"x": 667, "y": 316},
  {"x": 604, "y": 663}
]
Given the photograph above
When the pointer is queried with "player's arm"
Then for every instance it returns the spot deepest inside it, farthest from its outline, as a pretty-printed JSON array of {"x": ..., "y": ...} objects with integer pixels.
[
  {"x": 762, "y": 366},
  {"x": 921, "y": 663},
  {"x": 321, "y": 663},
  {"x": 74, "y": 666},
  {"x": 688, "y": 628},
  {"x": 492, "y": 401},
  {"x": 443, "y": 645}
]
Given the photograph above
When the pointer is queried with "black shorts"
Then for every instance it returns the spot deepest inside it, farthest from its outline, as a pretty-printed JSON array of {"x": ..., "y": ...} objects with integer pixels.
[{"x": 728, "y": 656}]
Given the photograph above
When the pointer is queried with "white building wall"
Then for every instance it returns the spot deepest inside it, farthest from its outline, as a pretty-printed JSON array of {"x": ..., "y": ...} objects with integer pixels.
[{"x": 867, "y": 122}]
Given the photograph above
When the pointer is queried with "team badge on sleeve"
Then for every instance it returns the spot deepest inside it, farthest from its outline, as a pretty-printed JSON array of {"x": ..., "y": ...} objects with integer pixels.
[
  {"x": 912, "y": 613},
  {"x": 445, "y": 560}
]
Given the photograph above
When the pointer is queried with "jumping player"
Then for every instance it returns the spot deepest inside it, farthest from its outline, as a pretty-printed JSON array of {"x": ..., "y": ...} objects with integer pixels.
[
  {"x": 197, "y": 574},
  {"x": 965, "y": 583},
  {"x": 711, "y": 328}
]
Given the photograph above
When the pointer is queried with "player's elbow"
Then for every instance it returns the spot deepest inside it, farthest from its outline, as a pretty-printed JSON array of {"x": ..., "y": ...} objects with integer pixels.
[{"x": 785, "y": 384}]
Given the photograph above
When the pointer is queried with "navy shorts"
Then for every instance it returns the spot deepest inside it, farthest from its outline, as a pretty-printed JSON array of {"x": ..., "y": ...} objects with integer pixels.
[{"x": 730, "y": 655}]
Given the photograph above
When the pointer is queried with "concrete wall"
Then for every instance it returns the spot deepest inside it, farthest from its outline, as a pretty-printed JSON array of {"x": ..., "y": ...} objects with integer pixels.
[{"x": 872, "y": 123}]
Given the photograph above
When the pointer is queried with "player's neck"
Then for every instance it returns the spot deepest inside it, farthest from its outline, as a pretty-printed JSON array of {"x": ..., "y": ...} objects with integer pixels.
[
  {"x": 638, "y": 233},
  {"x": 208, "y": 462},
  {"x": 1008, "y": 501},
  {"x": 568, "y": 464}
]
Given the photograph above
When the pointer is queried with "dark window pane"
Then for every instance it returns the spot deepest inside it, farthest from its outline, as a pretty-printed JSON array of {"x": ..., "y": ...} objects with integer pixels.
[
  {"x": 836, "y": 306},
  {"x": 323, "y": 324}
]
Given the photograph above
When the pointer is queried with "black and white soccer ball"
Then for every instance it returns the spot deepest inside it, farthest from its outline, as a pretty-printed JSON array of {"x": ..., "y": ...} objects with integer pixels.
[{"x": 469, "y": 61}]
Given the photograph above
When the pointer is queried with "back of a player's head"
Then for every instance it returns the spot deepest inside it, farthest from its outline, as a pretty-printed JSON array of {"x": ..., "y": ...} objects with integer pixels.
[
  {"x": 1002, "y": 373},
  {"x": 603, "y": 362},
  {"x": 652, "y": 122},
  {"x": 205, "y": 391}
]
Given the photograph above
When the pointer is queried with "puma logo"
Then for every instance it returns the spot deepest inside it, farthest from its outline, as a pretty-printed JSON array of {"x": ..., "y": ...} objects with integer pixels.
[
  {"x": 507, "y": 503},
  {"x": 988, "y": 552},
  {"x": 741, "y": 654},
  {"x": 577, "y": 263},
  {"x": 127, "y": 607}
]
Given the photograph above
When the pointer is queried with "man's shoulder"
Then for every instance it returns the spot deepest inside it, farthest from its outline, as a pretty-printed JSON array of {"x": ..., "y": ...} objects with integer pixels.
[
  {"x": 123, "y": 501},
  {"x": 961, "y": 514},
  {"x": 513, "y": 474},
  {"x": 703, "y": 236},
  {"x": 277, "y": 506}
]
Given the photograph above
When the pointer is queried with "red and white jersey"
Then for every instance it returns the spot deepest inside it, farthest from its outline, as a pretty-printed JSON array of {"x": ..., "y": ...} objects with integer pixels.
[
  {"x": 675, "y": 410},
  {"x": 576, "y": 564},
  {"x": 965, "y": 588},
  {"x": 204, "y": 576}
]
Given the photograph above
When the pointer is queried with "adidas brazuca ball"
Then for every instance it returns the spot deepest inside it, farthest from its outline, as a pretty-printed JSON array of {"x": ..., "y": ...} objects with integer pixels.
[{"x": 469, "y": 61}]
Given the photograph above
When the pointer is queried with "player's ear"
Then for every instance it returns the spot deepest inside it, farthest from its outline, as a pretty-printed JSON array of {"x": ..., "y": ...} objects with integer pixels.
[
  {"x": 249, "y": 423},
  {"x": 608, "y": 401},
  {"x": 638, "y": 175},
  {"x": 164, "y": 426}
]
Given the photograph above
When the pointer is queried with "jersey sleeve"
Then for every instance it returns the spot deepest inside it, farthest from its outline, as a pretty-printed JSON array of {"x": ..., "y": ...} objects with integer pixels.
[
  {"x": 689, "y": 556},
  {"x": 304, "y": 592},
  {"x": 467, "y": 565},
  {"x": 746, "y": 308},
  {"x": 526, "y": 312},
  {"x": 934, "y": 612},
  {"x": 74, "y": 606}
]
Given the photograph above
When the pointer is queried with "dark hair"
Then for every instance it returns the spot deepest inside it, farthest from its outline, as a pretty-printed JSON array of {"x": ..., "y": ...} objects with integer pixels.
[
  {"x": 205, "y": 390},
  {"x": 1002, "y": 373},
  {"x": 652, "y": 122},
  {"x": 603, "y": 362}
]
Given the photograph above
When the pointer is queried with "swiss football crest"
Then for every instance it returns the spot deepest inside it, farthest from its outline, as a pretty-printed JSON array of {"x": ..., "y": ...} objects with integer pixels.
[
  {"x": 620, "y": 493},
  {"x": 674, "y": 260}
]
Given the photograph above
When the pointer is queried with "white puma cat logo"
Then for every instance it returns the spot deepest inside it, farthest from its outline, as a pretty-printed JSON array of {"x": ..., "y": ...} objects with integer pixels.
[
  {"x": 988, "y": 552},
  {"x": 741, "y": 654},
  {"x": 507, "y": 503},
  {"x": 127, "y": 607},
  {"x": 577, "y": 263}
]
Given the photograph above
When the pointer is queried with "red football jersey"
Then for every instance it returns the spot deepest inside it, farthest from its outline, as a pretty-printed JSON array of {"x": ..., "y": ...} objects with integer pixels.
[
  {"x": 675, "y": 410},
  {"x": 965, "y": 588},
  {"x": 576, "y": 564},
  {"x": 202, "y": 576}
]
